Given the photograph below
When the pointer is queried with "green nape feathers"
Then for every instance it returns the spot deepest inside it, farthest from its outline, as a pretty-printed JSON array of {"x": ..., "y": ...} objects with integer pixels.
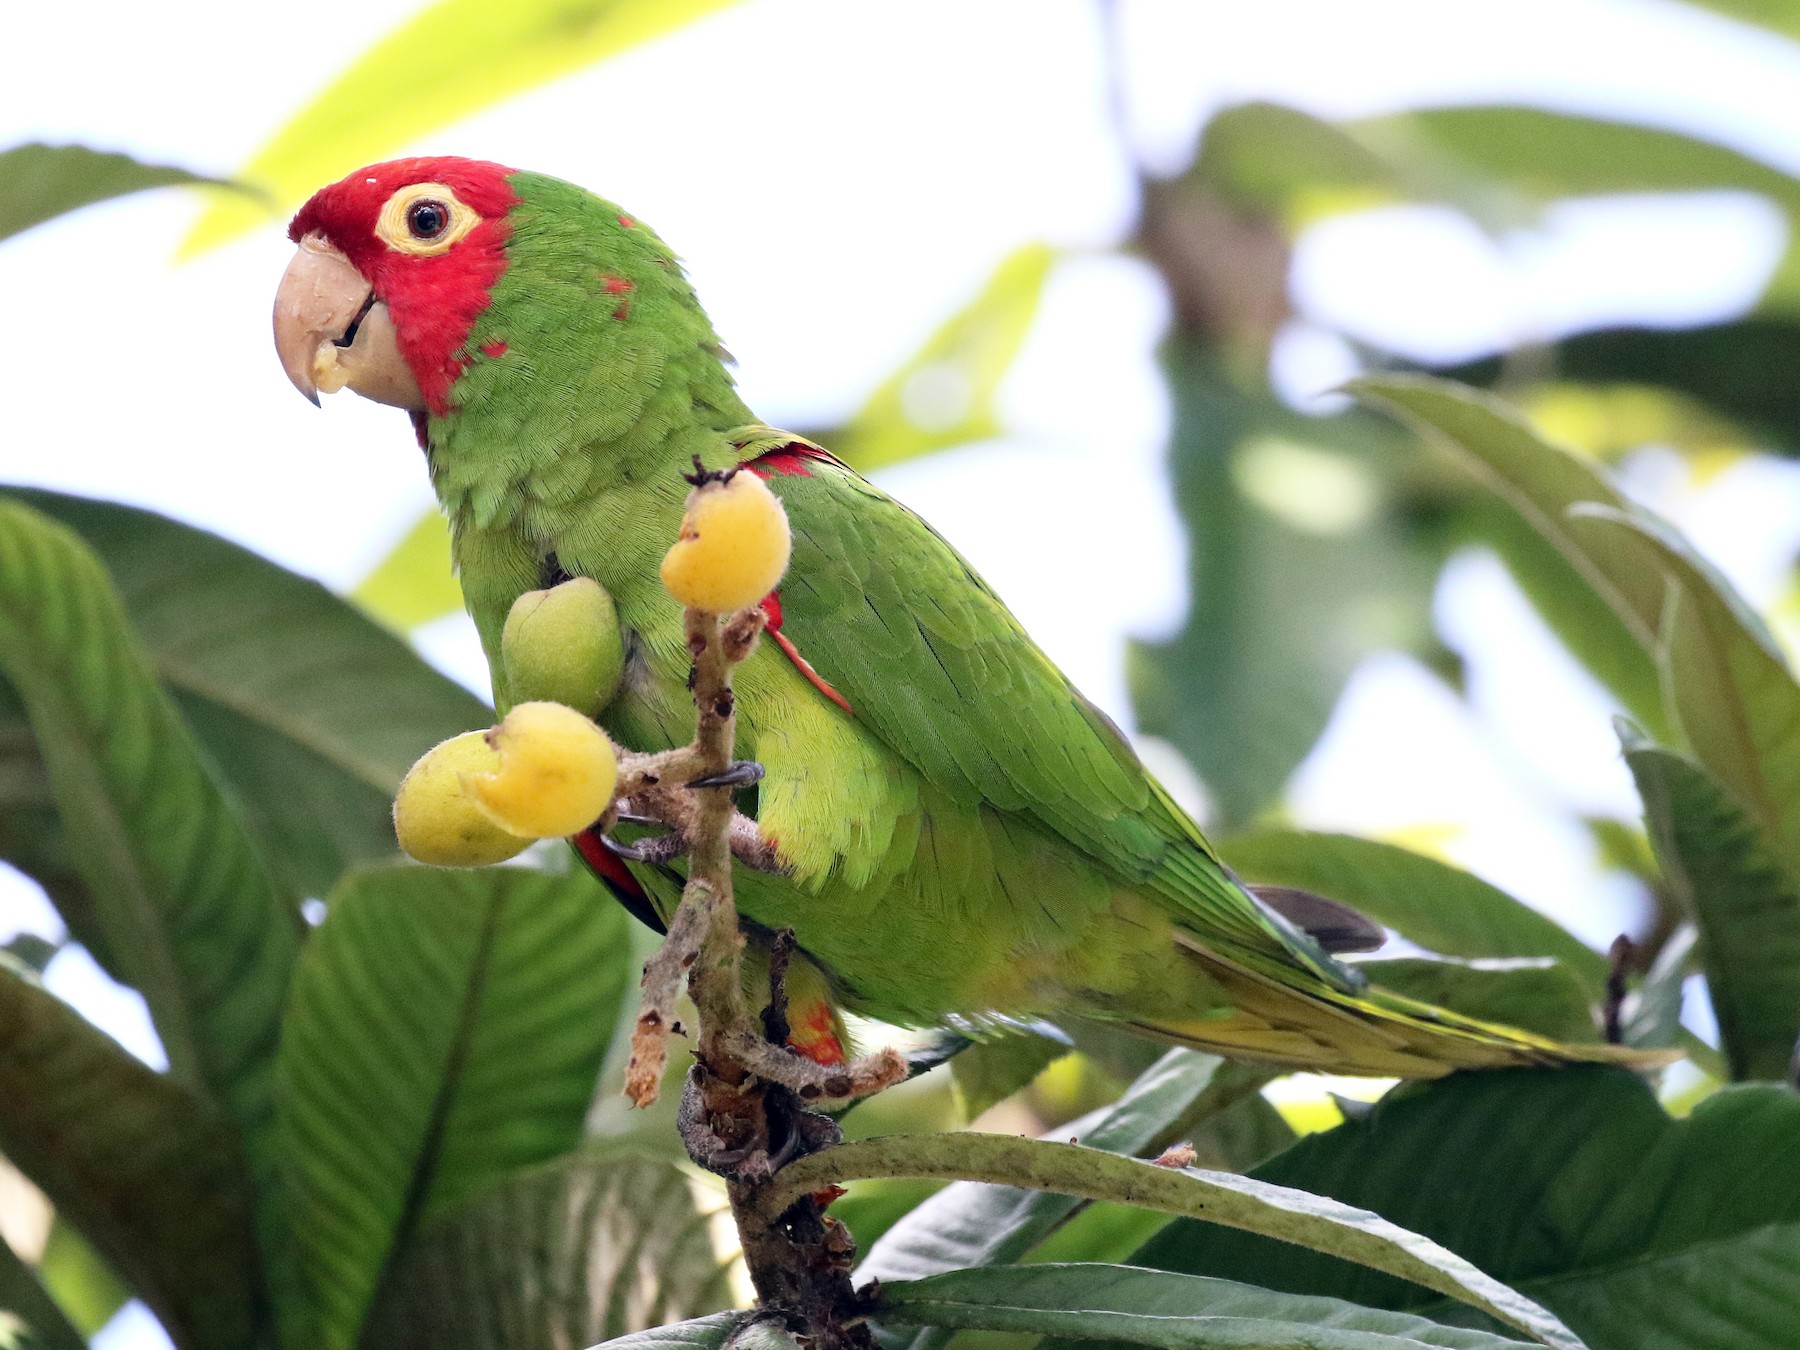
[{"x": 962, "y": 832}]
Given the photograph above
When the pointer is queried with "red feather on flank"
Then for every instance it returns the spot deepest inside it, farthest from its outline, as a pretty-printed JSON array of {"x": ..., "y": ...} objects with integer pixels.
[
  {"x": 771, "y": 608},
  {"x": 434, "y": 302}
]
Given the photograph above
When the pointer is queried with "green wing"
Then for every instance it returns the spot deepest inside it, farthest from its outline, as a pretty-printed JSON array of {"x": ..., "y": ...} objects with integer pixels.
[{"x": 936, "y": 666}]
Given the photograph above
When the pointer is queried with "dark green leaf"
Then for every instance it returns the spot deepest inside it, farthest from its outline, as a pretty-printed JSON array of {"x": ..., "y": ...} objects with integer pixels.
[
  {"x": 1113, "y": 1304},
  {"x": 1745, "y": 907},
  {"x": 1440, "y": 907},
  {"x": 1642, "y": 1232},
  {"x": 700, "y": 1333},
  {"x": 149, "y": 1172},
  {"x": 183, "y": 898},
  {"x": 592, "y": 1246},
  {"x": 452, "y": 58},
  {"x": 992, "y": 1070},
  {"x": 446, "y": 1031},
  {"x": 311, "y": 712},
  {"x": 38, "y": 182},
  {"x": 1220, "y": 1198}
]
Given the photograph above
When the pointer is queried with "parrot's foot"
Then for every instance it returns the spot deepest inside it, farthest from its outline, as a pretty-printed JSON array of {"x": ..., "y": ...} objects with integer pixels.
[{"x": 747, "y": 844}]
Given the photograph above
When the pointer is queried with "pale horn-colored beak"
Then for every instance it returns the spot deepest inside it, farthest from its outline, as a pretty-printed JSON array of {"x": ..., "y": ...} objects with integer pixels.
[{"x": 331, "y": 332}]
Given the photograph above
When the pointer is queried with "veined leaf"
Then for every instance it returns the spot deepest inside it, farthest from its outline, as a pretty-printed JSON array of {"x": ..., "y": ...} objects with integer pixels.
[
  {"x": 445, "y": 1031},
  {"x": 1641, "y": 1232},
  {"x": 1220, "y": 1198},
  {"x": 452, "y": 59},
  {"x": 1745, "y": 906},
  {"x": 151, "y": 1173},
  {"x": 414, "y": 583},
  {"x": 179, "y": 890},
  {"x": 1104, "y": 1304},
  {"x": 594, "y": 1245},
  {"x": 308, "y": 710},
  {"x": 1440, "y": 907},
  {"x": 39, "y": 182},
  {"x": 945, "y": 394}
]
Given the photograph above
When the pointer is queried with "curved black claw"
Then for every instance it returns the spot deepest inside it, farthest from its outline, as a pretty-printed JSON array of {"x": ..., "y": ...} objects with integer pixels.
[{"x": 742, "y": 773}]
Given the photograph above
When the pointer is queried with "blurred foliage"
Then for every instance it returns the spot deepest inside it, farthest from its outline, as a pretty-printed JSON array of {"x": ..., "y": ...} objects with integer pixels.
[{"x": 398, "y": 1126}]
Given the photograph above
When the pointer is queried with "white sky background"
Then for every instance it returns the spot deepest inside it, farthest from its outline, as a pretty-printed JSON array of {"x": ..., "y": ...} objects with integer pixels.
[{"x": 840, "y": 177}]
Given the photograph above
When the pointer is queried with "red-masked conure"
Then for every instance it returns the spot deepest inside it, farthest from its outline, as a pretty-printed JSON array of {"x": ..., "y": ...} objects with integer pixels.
[{"x": 959, "y": 831}]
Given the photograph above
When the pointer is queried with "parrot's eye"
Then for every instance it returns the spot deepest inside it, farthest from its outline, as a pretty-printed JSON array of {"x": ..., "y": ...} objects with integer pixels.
[
  {"x": 424, "y": 220},
  {"x": 427, "y": 219}
]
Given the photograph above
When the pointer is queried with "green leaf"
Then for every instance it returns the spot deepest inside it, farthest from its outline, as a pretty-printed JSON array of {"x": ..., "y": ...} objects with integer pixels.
[
  {"x": 944, "y": 395},
  {"x": 446, "y": 1030},
  {"x": 968, "y": 1224},
  {"x": 1299, "y": 566},
  {"x": 1746, "y": 908},
  {"x": 592, "y": 1246},
  {"x": 79, "y": 1278},
  {"x": 1730, "y": 689},
  {"x": 699, "y": 1333},
  {"x": 991, "y": 1070},
  {"x": 1642, "y": 1232},
  {"x": 1440, "y": 907},
  {"x": 1113, "y": 1304},
  {"x": 150, "y": 1173},
  {"x": 1310, "y": 1221},
  {"x": 179, "y": 890},
  {"x": 308, "y": 710},
  {"x": 29, "y": 1317},
  {"x": 38, "y": 182},
  {"x": 451, "y": 59},
  {"x": 416, "y": 582},
  {"x": 1533, "y": 994}
]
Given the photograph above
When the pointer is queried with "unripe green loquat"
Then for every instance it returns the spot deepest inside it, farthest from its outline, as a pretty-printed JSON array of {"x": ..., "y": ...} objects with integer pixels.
[{"x": 563, "y": 645}]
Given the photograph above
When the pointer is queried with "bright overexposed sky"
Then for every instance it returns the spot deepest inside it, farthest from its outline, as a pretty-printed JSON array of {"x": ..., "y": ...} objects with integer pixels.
[{"x": 841, "y": 176}]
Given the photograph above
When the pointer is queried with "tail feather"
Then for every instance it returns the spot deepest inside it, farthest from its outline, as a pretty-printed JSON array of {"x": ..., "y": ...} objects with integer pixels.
[{"x": 1374, "y": 1033}]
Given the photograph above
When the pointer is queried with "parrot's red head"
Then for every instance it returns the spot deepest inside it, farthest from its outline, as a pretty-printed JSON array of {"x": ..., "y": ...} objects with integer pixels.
[{"x": 396, "y": 263}]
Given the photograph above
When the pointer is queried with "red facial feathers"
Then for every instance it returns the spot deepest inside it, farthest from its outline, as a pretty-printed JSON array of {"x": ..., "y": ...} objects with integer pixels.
[{"x": 433, "y": 301}]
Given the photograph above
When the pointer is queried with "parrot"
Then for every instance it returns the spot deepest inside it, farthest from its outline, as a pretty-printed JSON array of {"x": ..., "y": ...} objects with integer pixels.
[{"x": 957, "y": 834}]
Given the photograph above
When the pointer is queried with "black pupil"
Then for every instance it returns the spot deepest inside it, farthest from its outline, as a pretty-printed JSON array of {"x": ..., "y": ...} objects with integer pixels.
[{"x": 427, "y": 219}]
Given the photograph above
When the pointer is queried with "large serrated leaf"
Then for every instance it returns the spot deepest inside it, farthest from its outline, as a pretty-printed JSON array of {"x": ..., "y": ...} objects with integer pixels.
[
  {"x": 1744, "y": 905},
  {"x": 451, "y": 59},
  {"x": 446, "y": 1030},
  {"x": 39, "y": 182},
  {"x": 183, "y": 898},
  {"x": 1642, "y": 1232},
  {"x": 1106, "y": 1304},
  {"x": 151, "y": 1173},
  {"x": 1440, "y": 907},
  {"x": 310, "y": 712},
  {"x": 592, "y": 1246},
  {"x": 1314, "y": 1222}
]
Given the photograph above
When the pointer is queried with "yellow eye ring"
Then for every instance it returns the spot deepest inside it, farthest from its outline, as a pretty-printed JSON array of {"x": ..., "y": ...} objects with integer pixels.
[{"x": 424, "y": 220}]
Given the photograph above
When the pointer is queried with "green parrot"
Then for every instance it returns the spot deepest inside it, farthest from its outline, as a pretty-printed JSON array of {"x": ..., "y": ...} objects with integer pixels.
[{"x": 959, "y": 833}]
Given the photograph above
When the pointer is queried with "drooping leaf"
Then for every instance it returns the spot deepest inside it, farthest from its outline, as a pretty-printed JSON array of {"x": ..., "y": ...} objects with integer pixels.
[
  {"x": 149, "y": 1172},
  {"x": 183, "y": 898},
  {"x": 1531, "y": 993},
  {"x": 80, "y": 1279},
  {"x": 1744, "y": 905},
  {"x": 944, "y": 395},
  {"x": 1293, "y": 1216},
  {"x": 311, "y": 712},
  {"x": 39, "y": 182},
  {"x": 1641, "y": 1232},
  {"x": 414, "y": 583},
  {"x": 592, "y": 1246},
  {"x": 992, "y": 1070},
  {"x": 451, "y": 59},
  {"x": 445, "y": 1032},
  {"x": 1727, "y": 683},
  {"x": 1297, "y": 569},
  {"x": 1106, "y": 1304},
  {"x": 1440, "y": 907}
]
